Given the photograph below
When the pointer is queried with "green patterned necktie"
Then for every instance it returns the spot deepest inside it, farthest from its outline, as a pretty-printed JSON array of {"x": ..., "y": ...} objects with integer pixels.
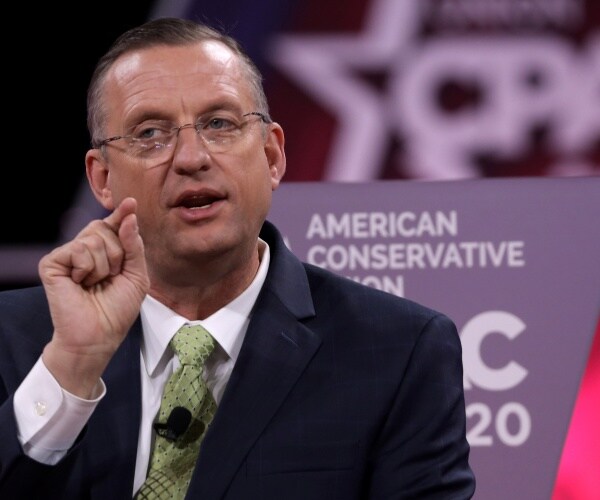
[{"x": 173, "y": 461}]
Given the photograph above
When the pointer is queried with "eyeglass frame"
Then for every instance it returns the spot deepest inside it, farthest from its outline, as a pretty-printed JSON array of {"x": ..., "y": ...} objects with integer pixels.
[{"x": 103, "y": 142}]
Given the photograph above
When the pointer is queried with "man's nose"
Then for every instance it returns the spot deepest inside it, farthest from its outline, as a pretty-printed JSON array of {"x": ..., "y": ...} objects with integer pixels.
[{"x": 191, "y": 151}]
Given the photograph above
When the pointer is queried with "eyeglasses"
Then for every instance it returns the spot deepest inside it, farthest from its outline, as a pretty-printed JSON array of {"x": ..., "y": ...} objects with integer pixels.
[{"x": 154, "y": 141}]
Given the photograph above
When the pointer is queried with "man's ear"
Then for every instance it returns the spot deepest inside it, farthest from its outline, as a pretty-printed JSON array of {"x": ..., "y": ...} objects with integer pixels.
[
  {"x": 275, "y": 153},
  {"x": 97, "y": 171}
]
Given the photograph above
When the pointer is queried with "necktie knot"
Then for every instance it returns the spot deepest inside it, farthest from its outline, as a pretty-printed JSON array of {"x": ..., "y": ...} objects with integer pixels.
[{"x": 192, "y": 344}]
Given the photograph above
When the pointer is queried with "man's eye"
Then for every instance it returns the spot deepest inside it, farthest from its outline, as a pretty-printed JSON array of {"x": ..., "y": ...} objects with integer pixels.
[
  {"x": 150, "y": 133},
  {"x": 220, "y": 124}
]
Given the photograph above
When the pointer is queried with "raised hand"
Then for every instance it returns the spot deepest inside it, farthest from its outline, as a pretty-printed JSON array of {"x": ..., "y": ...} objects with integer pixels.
[{"x": 95, "y": 285}]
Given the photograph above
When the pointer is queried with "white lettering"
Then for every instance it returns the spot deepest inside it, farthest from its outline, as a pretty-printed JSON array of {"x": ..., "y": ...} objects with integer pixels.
[
  {"x": 362, "y": 225},
  {"x": 473, "y": 334},
  {"x": 418, "y": 255}
]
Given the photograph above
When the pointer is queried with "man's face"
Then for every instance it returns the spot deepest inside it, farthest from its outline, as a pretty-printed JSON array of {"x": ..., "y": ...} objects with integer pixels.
[{"x": 198, "y": 203}]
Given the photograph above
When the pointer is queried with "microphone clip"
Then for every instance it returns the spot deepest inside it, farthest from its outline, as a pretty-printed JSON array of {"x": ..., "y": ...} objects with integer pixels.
[{"x": 177, "y": 423}]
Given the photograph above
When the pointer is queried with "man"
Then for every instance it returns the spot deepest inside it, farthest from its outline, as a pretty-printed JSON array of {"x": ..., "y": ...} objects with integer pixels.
[{"x": 322, "y": 388}]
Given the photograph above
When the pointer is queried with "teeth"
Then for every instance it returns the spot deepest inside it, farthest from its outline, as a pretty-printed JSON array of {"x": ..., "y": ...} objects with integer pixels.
[{"x": 202, "y": 207}]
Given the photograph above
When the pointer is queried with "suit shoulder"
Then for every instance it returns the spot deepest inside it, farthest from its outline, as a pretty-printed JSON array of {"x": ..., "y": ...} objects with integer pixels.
[
  {"x": 338, "y": 291},
  {"x": 32, "y": 294},
  {"x": 23, "y": 304}
]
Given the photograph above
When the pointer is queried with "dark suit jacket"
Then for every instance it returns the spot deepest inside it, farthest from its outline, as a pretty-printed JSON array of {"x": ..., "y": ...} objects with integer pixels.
[{"x": 340, "y": 392}]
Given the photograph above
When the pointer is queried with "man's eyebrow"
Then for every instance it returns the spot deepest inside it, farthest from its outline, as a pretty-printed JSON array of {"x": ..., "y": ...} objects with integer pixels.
[
  {"x": 146, "y": 115},
  {"x": 222, "y": 106}
]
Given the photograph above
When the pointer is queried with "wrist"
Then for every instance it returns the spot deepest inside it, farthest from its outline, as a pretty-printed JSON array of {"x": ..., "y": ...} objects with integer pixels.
[{"x": 77, "y": 373}]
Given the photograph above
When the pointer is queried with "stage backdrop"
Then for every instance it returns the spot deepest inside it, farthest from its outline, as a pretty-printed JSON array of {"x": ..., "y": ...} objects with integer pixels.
[{"x": 513, "y": 262}]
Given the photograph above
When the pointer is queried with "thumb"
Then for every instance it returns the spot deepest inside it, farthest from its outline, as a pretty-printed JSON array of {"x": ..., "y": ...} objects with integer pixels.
[{"x": 134, "y": 262}]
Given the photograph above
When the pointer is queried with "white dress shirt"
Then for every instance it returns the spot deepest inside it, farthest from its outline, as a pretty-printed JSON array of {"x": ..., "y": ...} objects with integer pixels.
[{"x": 49, "y": 419}]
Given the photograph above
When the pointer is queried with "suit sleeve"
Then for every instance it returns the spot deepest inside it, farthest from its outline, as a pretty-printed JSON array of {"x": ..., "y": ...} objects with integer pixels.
[
  {"x": 21, "y": 476},
  {"x": 423, "y": 452}
]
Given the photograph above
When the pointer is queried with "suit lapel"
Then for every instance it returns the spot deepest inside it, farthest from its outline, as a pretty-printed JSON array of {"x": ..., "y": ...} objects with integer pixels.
[{"x": 275, "y": 352}]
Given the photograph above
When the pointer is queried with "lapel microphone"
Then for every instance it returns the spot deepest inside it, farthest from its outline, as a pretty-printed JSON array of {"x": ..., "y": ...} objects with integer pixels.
[{"x": 177, "y": 423}]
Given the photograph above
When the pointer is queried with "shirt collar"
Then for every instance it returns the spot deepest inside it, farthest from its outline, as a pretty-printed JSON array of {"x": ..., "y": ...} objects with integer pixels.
[{"x": 227, "y": 326}]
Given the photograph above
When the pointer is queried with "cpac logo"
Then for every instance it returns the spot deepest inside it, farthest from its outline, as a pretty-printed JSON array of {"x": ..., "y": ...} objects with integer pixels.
[{"x": 462, "y": 103}]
